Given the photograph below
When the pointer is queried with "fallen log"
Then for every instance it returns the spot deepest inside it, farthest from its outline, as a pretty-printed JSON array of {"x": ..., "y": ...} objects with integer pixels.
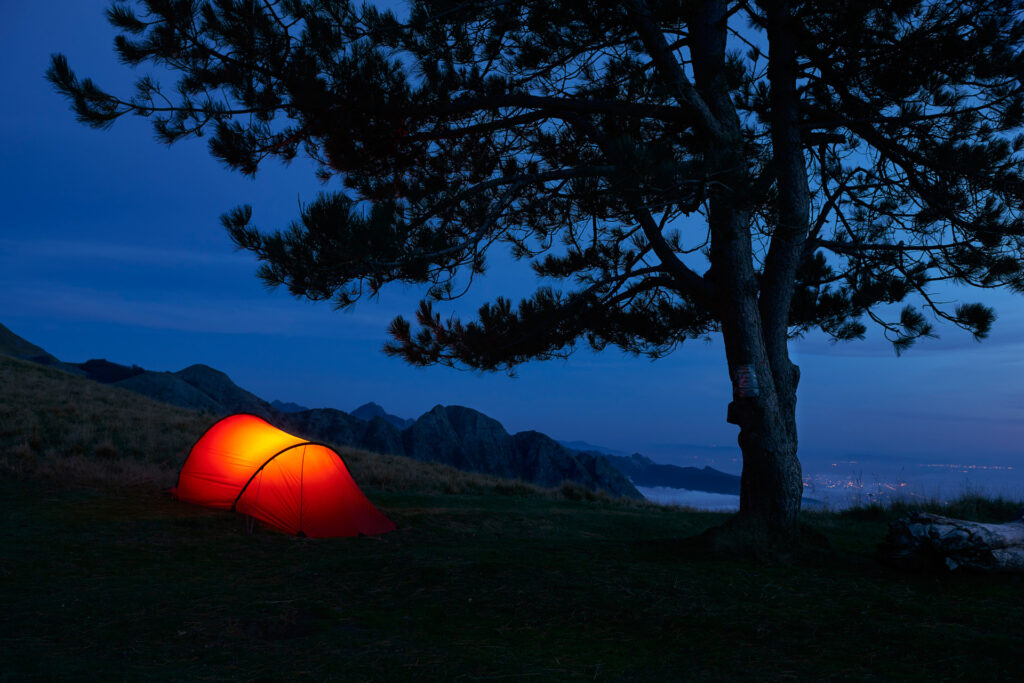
[{"x": 925, "y": 540}]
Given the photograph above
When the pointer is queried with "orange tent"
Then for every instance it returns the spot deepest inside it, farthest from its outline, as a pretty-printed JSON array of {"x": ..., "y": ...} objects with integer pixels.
[{"x": 242, "y": 463}]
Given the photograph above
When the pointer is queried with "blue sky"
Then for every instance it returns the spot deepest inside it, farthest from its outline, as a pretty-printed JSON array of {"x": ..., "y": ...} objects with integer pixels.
[{"x": 110, "y": 247}]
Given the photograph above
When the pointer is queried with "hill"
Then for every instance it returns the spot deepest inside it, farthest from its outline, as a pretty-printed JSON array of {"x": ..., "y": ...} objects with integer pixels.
[
  {"x": 370, "y": 410},
  {"x": 16, "y": 347},
  {"x": 57, "y": 423},
  {"x": 483, "y": 579},
  {"x": 287, "y": 407},
  {"x": 65, "y": 427},
  {"x": 452, "y": 435},
  {"x": 643, "y": 471}
]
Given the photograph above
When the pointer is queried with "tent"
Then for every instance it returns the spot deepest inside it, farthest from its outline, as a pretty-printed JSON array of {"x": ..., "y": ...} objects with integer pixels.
[{"x": 242, "y": 463}]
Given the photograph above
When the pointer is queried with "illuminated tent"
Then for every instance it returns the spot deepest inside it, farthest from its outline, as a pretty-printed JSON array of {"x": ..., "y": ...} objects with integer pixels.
[{"x": 242, "y": 463}]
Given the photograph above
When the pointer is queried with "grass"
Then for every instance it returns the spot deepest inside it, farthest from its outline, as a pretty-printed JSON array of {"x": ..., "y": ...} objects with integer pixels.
[
  {"x": 105, "y": 578},
  {"x": 59, "y": 426},
  {"x": 52, "y": 423}
]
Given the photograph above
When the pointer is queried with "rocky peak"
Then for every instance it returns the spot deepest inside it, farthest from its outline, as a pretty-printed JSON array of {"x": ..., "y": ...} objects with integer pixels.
[
  {"x": 221, "y": 389},
  {"x": 106, "y": 372},
  {"x": 287, "y": 407},
  {"x": 549, "y": 463},
  {"x": 16, "y": 347},
  {"x": 369, "y": 411},
  {"x": 463, "y": 438}
]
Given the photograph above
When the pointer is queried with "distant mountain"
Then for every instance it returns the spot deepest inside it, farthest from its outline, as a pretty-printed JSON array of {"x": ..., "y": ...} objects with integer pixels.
[
  {"x": 168, "y": 387},
  {"x": 469, "y": 440},
  {"x": 370, "y": 410},
  {"x": 551, "y": 463},
  {"x": 380, "y": 436},
  {"x": 585, "y": 447},
  {"x": 221, "y": 389},
  {"x": 454, "y": 435},
  {"x": 643, "y": 471},
  {"x": 198, "y": 387},
  {"x": 462, "y": 438},
  {"x": 323, "y": 424},
  {"x": 283, "y": 407},
  {"x": 16, "y": 347},
  {"x": 103, "y": 371}
]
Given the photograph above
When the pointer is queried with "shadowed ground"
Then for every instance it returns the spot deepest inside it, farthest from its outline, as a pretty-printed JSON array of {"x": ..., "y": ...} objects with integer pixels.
[
  {"x": 104, "y": 576},
  {"x": 129, "y": 584}
]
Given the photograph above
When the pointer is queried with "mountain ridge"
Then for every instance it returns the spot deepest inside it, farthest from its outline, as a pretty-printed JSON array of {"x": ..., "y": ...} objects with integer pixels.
[
  {"x": 453, "y": 435},
  {"x": 643, "y": 471},
  {"x": 370, "y": 410}
]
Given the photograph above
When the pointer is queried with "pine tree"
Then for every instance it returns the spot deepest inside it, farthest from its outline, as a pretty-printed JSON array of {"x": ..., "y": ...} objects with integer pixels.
[{"x": 669, "y": 169}]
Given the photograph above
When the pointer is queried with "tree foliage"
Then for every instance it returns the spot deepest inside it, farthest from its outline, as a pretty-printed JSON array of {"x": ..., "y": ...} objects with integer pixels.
[{"x": 584, "y": 137}]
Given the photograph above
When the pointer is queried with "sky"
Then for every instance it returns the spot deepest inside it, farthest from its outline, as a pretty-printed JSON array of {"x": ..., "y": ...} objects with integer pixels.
[{"x": 110, "y": 247}]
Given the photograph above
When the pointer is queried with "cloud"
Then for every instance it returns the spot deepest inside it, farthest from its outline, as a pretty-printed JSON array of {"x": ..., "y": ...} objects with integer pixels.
[
  {"x": 193, "y": 313},
  {"x": 1013, "y": 421},
  {"x": 156, "y": 288},
  {"x": 131, "y": 254}
]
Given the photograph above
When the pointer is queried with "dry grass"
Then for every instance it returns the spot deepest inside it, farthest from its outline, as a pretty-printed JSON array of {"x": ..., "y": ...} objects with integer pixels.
[
  {"x": 397, "y": 473},
  {"x": 530, "y": 585},
  {"x": 67, "y": 428},
  {"x": 54, "y": 424}
]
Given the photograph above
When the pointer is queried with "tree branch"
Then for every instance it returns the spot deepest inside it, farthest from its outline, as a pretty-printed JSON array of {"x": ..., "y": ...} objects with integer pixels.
[
  {"x": 556, "y": 105},
  {"x": 692, "y": 284},
  {"x": 682, "y": 89}
]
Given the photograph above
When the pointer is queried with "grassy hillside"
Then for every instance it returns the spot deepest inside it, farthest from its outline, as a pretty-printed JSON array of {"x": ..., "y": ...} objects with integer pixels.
[
  {"x": 68, "y": 428},
  {"x": 57, "y": 424},
  {"x": 13, "y": 345},
  {"x": 103, "y": 576}
]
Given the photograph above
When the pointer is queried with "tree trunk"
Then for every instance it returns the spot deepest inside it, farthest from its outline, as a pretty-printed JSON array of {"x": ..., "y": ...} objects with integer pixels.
[
  {"x": 764, "y": 400},
  {"x": 924, "y": 540},
  {"x": 754, "y": 318},
  {"x": 763, "y": 378},
  {"x": 771, "y": 486}
]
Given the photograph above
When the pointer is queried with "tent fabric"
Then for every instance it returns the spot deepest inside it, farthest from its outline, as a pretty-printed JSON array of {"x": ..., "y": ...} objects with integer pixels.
[{"x": 243, "y": 463}]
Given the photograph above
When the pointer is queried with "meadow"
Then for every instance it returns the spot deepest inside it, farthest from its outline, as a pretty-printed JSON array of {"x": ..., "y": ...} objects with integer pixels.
[{"x": 103, "y": 575}]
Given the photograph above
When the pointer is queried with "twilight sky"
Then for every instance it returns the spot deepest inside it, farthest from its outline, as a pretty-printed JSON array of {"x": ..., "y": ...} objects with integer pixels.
[{"x": 110, "y": 247}]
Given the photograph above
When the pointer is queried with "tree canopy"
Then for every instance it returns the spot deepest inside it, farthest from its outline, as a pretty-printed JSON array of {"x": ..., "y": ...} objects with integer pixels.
[
  {"x": 667, "y": 168},
  {"x": 572, "y": 133}
]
